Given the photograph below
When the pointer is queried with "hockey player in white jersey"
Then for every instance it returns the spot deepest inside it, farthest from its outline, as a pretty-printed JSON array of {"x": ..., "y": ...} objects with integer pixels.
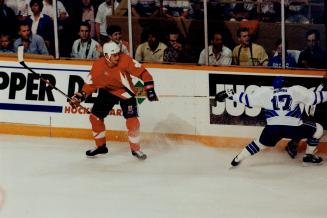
[{"x": 281, "y": 106}]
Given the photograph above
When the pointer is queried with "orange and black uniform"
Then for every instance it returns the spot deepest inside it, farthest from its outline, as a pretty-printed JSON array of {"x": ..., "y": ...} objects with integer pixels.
[{"x": 112, "y": 91}]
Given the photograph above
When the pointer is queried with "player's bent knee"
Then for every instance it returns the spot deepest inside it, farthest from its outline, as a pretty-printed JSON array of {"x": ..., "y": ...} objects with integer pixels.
[
  {"x": 132, "y": 123},
  {"x": 319, "y": 131}
]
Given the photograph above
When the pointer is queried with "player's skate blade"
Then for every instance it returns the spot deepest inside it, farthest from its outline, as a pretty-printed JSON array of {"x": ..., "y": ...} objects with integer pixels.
[
  {"x": 312, "y": 160},
  {"x": 99, "y": 150},
  {"x": 139, "y": 154},
  {"x": 234, "y": 162}
]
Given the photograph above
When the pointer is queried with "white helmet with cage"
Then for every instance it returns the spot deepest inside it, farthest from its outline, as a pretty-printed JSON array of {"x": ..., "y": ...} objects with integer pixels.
[{"x": 110, "y": 48}]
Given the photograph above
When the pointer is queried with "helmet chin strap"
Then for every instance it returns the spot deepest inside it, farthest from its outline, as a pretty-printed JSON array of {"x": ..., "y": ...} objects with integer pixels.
[{"x": 107, "y": 57}]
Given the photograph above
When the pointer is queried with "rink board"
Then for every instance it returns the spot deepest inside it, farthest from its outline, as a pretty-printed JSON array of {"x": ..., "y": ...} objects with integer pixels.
[{"x": 186, "y": 109}]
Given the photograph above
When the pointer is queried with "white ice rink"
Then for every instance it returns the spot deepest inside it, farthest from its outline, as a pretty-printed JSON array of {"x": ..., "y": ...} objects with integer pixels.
[{"x": 43, "y": 177}]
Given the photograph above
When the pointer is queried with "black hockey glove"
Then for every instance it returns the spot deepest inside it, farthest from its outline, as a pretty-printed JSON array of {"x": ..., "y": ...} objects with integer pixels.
[
  {"x": 150, "y": 93},
  {"x": 221, "y": 96},
  {"x": 77, "y": 98}
]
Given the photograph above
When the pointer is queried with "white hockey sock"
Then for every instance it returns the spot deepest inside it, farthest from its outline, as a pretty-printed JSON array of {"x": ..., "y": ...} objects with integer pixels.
[
  {"x": 311, "y": 149},
  {"x": 251, "y": 149}
]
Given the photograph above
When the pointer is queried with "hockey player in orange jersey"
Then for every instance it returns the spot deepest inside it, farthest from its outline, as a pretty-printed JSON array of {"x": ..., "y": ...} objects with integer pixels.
[{"x": 111, "y": 75}]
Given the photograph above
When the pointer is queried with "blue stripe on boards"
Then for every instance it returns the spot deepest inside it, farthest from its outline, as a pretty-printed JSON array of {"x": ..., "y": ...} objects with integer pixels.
[
  {"x": 321, "y": 97},
  {"x": 29, "y": 107},
  {"x": 48, "y": 69}
]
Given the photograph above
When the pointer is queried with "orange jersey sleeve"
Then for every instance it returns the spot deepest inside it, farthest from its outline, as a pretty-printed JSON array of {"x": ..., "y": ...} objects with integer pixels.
[{"x": 109, "y": 78}]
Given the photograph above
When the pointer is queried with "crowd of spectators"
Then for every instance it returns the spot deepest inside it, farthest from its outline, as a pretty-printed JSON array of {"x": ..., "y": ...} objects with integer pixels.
[{"x": 83, "y": 28}]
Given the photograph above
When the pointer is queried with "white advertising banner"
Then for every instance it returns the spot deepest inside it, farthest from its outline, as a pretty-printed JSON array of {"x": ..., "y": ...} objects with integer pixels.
[{"x": 185, "y": 105}]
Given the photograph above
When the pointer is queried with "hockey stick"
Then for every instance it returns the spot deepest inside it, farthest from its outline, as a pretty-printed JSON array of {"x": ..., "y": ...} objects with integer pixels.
[
  {"x": 20, "y": 53},
  {"x": 125, "y": 83}
]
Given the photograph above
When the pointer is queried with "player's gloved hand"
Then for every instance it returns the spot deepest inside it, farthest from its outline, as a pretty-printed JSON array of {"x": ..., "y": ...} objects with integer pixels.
[
  {"x": 221, "y": 96},
  {"x": 149, "y": 88},
  {"x": 76, "y": 99}
]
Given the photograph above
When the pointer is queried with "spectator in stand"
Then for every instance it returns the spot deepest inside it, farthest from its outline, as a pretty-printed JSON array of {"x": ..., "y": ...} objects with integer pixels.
[
  {"x": 104, "y": 10},
  {"x": 61, "y": 10},
  {"x": 175, "y": 8},
  {"x": 88, "y": 14},
  {"x": 242, "y": 10},
  {"x": 174, "y": 53},
  {"x": 33, "y": 43},
  {"x": 276, "y": 60},
  {"x": 312, "y": 56},
  {"x": 270, "y": 11},
  {"x": 145, "y": 8},
  {"x": 115, "y": 34},
  {"x": 152, "y": 50},
  {"x": 85, "y": 47},
  {"x": 297, "y": 11},
  {"x": 6, "y": 43},
  {"x": 218, "y": 53},
  {"x": 20, "y": 7},
  {"x": 196, "y": 10},
  {"x": 8, "y": 21},
  {"x": 41, "y": 24},
  {"x": 248, "y": 53}
]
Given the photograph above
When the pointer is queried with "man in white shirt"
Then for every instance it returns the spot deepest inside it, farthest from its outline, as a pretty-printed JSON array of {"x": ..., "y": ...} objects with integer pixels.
[
  {"x": 104, "y": 10},
  {"x": 85, "y": 47},
  {"x": 218, "y": 54}
]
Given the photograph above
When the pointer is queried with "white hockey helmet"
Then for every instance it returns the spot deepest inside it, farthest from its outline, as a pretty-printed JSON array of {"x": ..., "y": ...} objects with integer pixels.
[{"x": 110, "y": 48}]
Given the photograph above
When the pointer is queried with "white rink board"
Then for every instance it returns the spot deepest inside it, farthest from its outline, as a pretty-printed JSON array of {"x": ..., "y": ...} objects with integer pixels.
[{"x": 178, "y": 114}]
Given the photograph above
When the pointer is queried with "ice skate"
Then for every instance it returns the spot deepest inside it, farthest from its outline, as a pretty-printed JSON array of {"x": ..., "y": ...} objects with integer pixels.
[
  {"x": 99, "y": 150},
  {"x": 311, "y": 159},
  {"x": 139, "y": 154},
  {"x": 235, "y": 162},
  {"x": 291, "y": 149}
]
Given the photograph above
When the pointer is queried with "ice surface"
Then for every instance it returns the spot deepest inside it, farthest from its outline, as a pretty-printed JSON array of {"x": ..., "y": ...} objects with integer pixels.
[{"x": 45, "y": 177}]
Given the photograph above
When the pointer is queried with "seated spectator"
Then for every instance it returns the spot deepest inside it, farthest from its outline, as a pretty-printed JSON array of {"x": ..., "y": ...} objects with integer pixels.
[
  {"x": 41, "y": 24},
  {"x": 104, "y": 10},
  {"x": 276, "y": 60},
  {"x": 61, "y": 10},
  {"x": 218, "y": 53},
  {"x": 175, "y": 8},
  {"x": 248, "y": 53},
  {"x": 219, "y": 9},
  {"x": 196, "y": 10},
  {"x": 8, "y": 21},
  {"x": 174, "y": 53},
  {"x": 85, "y": 47},
  {"x": 145, "y": 8},
  {"x": 20, "y": 7},
  {"x": 270, "y": 11},
  {"x": 33, "y": 43},
  {"x": 152, "y": 50},
  {"x": 115, "y": 34},
  {"x": 242, "y": 10},
  {"x": 6, "y": 43},
  {"x": 297, "y": 12},
  {"x": 88, "y": 14},
  {"x": 312, "y": 56}
]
